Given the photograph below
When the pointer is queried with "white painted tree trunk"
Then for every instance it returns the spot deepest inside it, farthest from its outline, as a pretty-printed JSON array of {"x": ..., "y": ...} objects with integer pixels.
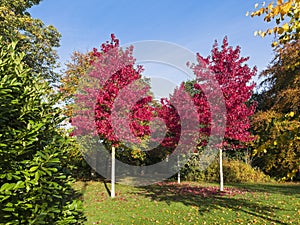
[
  {"x": 221, "y": 171},
  {"x": 113, "y": 155},
  {"x": 178, "y": 174}
]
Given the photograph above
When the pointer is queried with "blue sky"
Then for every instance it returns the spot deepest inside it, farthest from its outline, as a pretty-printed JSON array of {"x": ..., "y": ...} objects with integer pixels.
[{"x": 192, "y": 24}]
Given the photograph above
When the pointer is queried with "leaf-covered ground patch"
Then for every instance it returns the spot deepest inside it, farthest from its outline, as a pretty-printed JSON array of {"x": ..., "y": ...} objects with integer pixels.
[{"x": 192, "y": 203}]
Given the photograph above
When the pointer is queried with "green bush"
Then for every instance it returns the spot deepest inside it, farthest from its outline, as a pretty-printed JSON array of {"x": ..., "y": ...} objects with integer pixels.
[
  {"x": 76, "y": 163},
  {"x": 235, "y": 171},
  {"x": 191, "y": 171},
  {"x": 35, "y": 186}
]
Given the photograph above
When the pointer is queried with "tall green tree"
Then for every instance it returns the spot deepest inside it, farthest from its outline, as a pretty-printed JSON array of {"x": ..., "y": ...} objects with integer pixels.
[
  {"x": 35, "y": 187},
  {"x": 35, "y": 39}
]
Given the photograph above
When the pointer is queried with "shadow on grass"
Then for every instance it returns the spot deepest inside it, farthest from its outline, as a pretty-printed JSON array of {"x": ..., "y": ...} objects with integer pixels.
[
  {"x": 82, "y": 190},
  {"x": 284, "y": 189},
  {"x": 208, "y": 199}
]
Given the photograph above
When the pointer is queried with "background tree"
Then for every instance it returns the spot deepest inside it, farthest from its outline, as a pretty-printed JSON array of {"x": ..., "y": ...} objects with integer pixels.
[
  {"x": 78, "y": 66},
  {"x": 276, "y": 123},
  {"x": 35, "y": 186},
  {"x": 35, "y": 39}
]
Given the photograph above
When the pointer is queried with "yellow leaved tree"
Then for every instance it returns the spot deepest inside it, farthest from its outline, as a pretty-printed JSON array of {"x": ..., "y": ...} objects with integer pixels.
[
  {"x": 277, "y": 120},
  {"x": 286, "y": 16}
]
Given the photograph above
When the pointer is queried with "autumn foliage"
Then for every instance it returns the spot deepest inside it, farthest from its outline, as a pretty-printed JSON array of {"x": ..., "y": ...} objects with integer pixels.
[
  {"x": 285, "y": 13},
  {"x": 125, "y": 113},
  {"x": 276, "y": 123},
  {"x": 234, "y": 79}
]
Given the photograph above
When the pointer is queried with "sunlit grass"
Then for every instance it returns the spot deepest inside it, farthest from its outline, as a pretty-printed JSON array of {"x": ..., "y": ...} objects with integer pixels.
[{"x": 192, "y": 203}]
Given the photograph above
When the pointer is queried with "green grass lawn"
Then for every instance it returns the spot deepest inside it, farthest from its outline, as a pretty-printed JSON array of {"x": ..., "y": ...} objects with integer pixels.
[{"x": 192, "y": 203}]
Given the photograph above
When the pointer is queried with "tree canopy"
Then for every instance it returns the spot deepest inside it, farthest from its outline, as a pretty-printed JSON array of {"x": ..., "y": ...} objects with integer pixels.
[{"x": 37, "y": 40}]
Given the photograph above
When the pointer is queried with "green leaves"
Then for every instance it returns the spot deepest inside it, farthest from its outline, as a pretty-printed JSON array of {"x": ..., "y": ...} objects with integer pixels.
[
  {"x": 34, "y": 183},
  {"x": 36, "y": 40}
]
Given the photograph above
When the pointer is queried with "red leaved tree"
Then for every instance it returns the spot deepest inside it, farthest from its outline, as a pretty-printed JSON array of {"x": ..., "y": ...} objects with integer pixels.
[
  {"x": 111, "y": 94},
  {"x": 107, "y": 95},
  {"x": 115, "y": 105},
  {"x": 234, "y": 78}
]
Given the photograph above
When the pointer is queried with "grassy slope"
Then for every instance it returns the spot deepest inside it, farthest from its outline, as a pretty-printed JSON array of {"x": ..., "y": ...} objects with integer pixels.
[{"x": 191, "y": 203}]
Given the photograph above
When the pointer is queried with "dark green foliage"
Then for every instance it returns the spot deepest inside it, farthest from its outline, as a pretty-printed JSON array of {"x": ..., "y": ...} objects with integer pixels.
[{"x": 34, "y": 184}]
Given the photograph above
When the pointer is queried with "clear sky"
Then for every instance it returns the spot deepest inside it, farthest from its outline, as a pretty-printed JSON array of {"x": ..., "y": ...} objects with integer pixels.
[{"x": 194, "y": 24}]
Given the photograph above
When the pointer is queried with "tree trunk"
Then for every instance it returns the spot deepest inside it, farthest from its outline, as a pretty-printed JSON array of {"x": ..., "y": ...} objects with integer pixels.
[
  {"x": 113, "y": 153},
  {"x": 178, "y": 174},
  {"x": 221, "y": 171}
]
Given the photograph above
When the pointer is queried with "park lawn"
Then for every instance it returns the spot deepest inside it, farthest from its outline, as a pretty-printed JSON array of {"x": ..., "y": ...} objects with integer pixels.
[{"x": 191, "y": 203}]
